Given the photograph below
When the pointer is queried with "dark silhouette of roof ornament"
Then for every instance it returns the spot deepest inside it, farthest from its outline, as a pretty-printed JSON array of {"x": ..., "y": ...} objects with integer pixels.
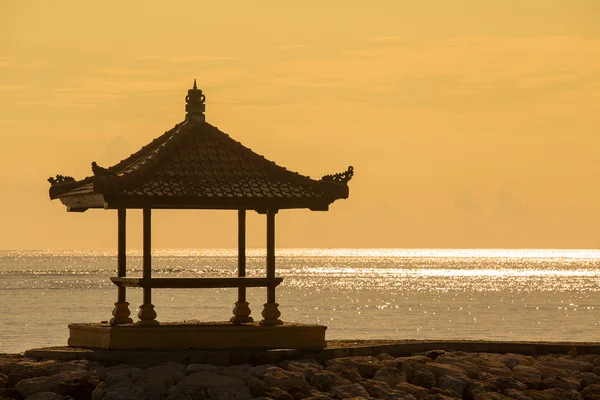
[
  {"x": 60, "y": 179},
  {"x": 342, "y": 177},
  {"x": 195, "y": 106},
  {"x": 99, "y": 171}
]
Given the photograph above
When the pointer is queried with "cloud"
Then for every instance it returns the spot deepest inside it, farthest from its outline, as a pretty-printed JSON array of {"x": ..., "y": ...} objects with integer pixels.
[
  {"x": 511, "y": 206},
  {"x": 187, "y": 59},
  {"x": 4, "y": 63},
  {"x": 125, "y": 71},
  {"x": 291, "y": 47},
  {"x": 467, "y": 65},
  {"x": 385, "y": 39},
  {"x": 7, "y": 88},
  {"x": 467, "y": 203}
]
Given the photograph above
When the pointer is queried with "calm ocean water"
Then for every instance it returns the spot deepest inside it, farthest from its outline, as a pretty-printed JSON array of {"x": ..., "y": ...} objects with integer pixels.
[{"x": 359, "y": 294}]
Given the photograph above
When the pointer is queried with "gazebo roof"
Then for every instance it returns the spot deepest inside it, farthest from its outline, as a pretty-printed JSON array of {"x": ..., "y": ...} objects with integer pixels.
[{"x": 195, "y": 165}]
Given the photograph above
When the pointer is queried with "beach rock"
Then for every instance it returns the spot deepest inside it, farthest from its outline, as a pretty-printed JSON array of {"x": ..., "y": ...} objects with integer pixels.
[
  {"x": 305, "y": 367},
  {"x": 470, "y": 368},
  {"x": 27, "y": 387},
  {"x": 349, "y": 391},
  {"x": 455, "y": 384},
  {"x": 3, "y": 381},
  {"x": 75, "y": 366},
  {"x": 97, "y": 369},
  {"x": 110, "y": 384},
  {"x": 193, "y": 368},
  {"x": 417, "y": 391},
  {"x": 418, "y": 375},
  {"x": 404, "y": 362},
  {"x": 586, "y": 378},
  {"x": 129, "y": 372},
  {"x": 45, "y": 396},
  {"x": 550, "y": 372},
  {"x": 438, "y": 396},
  {"x": 500, "y": 370},
  {"x": 10, "y": 393},
  {"x": 503, "y": 382},
  {"x": 508, "y": 360},
  {"x": 385, "y": 357},
  {"x": 478, "y": 388},
  {"x": 516, "y": 394},
  {"x": 26, "y": 371},
  {"x": 78, "y": 387},
  {"x": 492, "y": 396},
  {"x": 562, "y": 383},
  {"x": 563, "y": 394},
  {"x": 256, "y": 386},
  {"x": 159, "y": 378},
  {"x": 226, "y": 394},
  {"x": 135, "y": 391},
  {"x": 432, "y": 354},
  {"x": 175, "y": 366},
  {"x": 445, "y": 392},
  {"x": 277, "y": 377},
  {"x": 565, "y": 363},
  {"x": 366, "y": 366},
  {"x": 278, "y": 394},
  {"x": 236, "y": 372},
  {"x": 591, "y": 390},
  {"x": 527, "y": 373},
  {"x": 375, "y": 388},
  {"x": 398, "y": 395},
  {"x": 439, "y": 370},
  {"x": 175, "y": 393},
  {"x": 259, "y": 370},
  {"x": 205, "y": 380},
  {"x": 520, "y": 359},
  {"x": 350, "y": 374},
  {"x": 390, "y": 375},
  {"x": 301, "y": 393},
  {"x": 326, "y": 380}
]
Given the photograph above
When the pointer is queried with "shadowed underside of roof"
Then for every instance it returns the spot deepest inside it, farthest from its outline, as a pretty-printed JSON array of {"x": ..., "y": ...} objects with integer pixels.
[{"x": 195, "y": 165}]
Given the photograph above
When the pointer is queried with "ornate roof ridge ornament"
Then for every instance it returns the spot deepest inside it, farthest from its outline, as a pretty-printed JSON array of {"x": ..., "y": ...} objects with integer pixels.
[
  {"x": 195, "y": 106},
  {"x": 99, "y": 171},
  {"x": 342, "y": 177},
  {"x": 60, "y": 179}
]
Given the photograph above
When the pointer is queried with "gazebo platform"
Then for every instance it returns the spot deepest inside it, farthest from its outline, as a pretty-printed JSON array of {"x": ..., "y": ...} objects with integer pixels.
[{"x": 198, "y": 335}]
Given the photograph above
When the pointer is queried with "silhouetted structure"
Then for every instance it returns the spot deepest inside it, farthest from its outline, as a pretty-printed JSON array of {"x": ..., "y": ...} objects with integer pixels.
[{"x": 196, "y": 166}]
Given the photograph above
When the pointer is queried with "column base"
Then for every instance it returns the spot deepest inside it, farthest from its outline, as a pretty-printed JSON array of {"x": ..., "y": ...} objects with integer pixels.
[
  {"x": 241, "y": 313},
  {"x": 271, "y": 315},
  {"x": 121, "y": 314},
  {"x": 147, "y": 315}
]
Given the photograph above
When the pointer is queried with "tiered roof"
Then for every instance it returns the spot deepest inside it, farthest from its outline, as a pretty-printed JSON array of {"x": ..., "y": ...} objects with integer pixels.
[{"x": 195, "y": 165}]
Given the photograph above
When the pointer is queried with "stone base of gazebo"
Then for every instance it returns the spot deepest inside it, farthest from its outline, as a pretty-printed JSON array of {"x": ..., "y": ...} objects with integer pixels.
[{"x": 198, "y": 335}]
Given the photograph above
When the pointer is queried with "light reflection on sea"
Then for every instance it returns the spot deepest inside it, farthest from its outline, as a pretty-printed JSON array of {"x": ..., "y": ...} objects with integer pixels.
[{"x": 357, "y": 293}]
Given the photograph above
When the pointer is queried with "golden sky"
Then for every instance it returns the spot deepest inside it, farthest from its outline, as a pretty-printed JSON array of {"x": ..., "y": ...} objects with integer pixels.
[{"x": 469, "y": 123}]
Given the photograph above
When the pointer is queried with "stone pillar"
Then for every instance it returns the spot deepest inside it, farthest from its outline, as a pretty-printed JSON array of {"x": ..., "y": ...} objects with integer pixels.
[
  {"x": 271, "y": 312},
  {"x": 121, "y": 311},
  {"x": 147, "y": 315},
  {"x": 241, "y": 311}
]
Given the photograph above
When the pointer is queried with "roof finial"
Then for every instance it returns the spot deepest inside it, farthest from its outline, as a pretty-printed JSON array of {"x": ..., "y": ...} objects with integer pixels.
[{"x": 195, "y": 104}]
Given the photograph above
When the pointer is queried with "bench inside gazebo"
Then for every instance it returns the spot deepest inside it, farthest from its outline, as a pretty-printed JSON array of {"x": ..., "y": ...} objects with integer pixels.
[{"x": 196, "y": 166}]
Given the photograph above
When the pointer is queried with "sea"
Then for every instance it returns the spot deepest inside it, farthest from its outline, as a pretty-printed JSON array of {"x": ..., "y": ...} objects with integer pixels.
[{"x": 505, "y": 295}]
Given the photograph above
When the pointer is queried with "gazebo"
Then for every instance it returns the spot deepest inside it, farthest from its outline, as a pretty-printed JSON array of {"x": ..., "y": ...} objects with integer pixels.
[{"x": 195, "y": 166}]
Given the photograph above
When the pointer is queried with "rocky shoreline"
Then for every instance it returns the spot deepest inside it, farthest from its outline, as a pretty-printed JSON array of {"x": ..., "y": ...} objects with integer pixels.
[{"x": 433, "y": 375}]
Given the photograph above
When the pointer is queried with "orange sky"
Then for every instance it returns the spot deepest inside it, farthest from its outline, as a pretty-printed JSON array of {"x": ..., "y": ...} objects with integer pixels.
[{"x": 468, "y": 123}]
